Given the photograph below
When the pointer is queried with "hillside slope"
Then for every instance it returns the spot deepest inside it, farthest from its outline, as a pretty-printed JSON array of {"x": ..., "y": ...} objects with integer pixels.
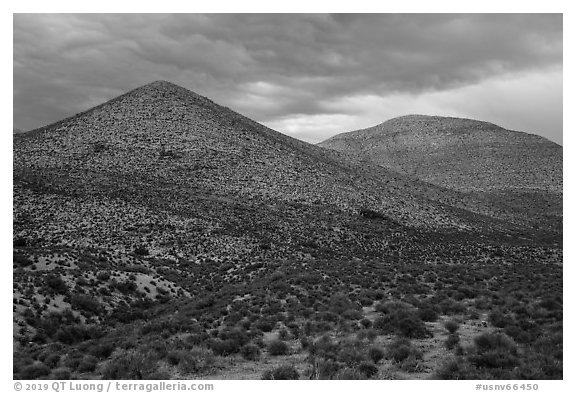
[
  {"x": 518, "y": 175},
  {"x": 460, "y": 154},
  {"x": 164, "y": 137},
  {"x": 160, "y": 235}
]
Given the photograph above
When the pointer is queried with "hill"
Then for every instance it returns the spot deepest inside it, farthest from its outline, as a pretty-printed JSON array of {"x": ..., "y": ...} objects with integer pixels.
[
  {"x": 160, "y": 235},
  {"x": 460, "y": 154},
  {"x": 518, "y": 174}
]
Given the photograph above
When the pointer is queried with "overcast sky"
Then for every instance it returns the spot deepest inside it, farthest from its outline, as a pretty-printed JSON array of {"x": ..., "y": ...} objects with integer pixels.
[{"x": 309, "y": 76}]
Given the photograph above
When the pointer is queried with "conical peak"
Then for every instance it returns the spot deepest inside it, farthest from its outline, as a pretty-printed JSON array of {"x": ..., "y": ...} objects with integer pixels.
[{"x": 164, "y": 86}]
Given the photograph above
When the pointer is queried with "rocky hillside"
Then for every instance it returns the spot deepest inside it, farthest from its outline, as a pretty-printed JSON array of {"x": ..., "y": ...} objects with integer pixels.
[
  {"x": 164, "y": 137},
  {"x": 460, "y": 154},
  {"x": 160, "y": 235}
]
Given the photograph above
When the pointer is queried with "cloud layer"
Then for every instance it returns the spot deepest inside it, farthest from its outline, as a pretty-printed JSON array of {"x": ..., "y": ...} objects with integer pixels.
[{"x": 310, "y": 76}]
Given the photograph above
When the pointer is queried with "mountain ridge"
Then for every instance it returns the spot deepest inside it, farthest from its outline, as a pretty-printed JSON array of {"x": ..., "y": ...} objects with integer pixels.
[
  {"x": 457, "y": 153},
  {"x": 162, "y": 127},
  {"x": 160, "y": 235}
]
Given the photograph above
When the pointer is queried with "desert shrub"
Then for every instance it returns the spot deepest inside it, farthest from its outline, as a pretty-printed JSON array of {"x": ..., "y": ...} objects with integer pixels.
[
  {"x": 191, "y": 362},
  {"x": 493, "y": 341},
  {"x": 371, "y": 214},
  {"x": 277, "y": 348},
  {"x": 250, "y": 352},
  {"x": 283, "y": 334},
  {"x": 125, "y": 287},
  {"x": 400, "y": 349},
  {"x": 20, "y": 362},
  {"x": 455, "y": 369},
  {"x": 389, "y": 307},
  {"x": 141, "y": 250},
  {"x": 411, "y": 364},
  {"x": 384, "y": 324},
  {"x": 324, "y": 347},
  {"x": 55, "y": 284},
  {"x": 452, "y": 340},
  {"x": 103, "y": 275},
  {"x": 371, "y": 334},
  {"x": 366, "y": 323},
  {"x": 349, "y": 373},
  {"x": 86, "y": 304},
  {"x": 21, "y": 260},
  {"x": 61, "y": 373},
  {"x": 101, "y": 350},
  {"x": 427, "y": 314},
  {"x": 339, "y": 303},
  {"x": 19, "y": 242},
  {"x": 324, "y": 369},
  {"x": 174, "y": 357},
  {"x": 350, "y": 354},
  {"x": 352, "y": 314},
  {"x": 402, "y": 322},
  {"x": 327, "y": 316},
  {"x": 408, "y": 325},
  {"x": 51, "y": 360},
  {"x": 72, "y": 360},
  {"x": 188, "y": 363},
  {"x": 499, "y": 320},
  {"x": 88, "y": 364},
  {"x": 305, "y": 342},
  {"x": 376, "y": 354},
  {"x": 284, "y": 372},
  {"x": 451, "y": 307},
  {"x": 239, "y": 336},
  {"x": 451, "y": 326},
  {"x": 132, "y": 365},
  {"x": 224, "y": 347},
  {"x": 266, "y": 325},
  {"x": 368, "y": 369},
  {"x": 494, "y": 350},
  {"x": 34, "y": 371}
]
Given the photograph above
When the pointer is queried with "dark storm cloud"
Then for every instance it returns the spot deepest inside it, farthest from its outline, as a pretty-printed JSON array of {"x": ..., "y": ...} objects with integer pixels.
[{"x": 290, "y": 71}]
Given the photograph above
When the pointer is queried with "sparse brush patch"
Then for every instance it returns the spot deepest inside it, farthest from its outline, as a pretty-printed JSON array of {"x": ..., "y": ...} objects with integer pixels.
[
  {"x": 278, "y": 348},
  {"x": 350, "y": 354},
  {"x": 61, "y": 374},
  {"x": 402, "y": 322},
  {"x": 368, "y": 369},
  {"x": 250, "y": 352},
  {"x": 19, "y": 242},
  {"x": 132, "y": 365},
  {"x": 51, "y": 360},
  {"x": 88, "y": 364},
  {"x": 452, "y": 341},
  {"x": 499, "y": 319},
  {"x": 224, "y": 347},
  {"x": 56, "y": 285},
  {"x": 427, "y": 314},
  {"x": 141, "y": 250},
  {"x": 494, "y": 350},
  {"x": 376, "y": 354},
  {"x": 284, "y": 372},
  {"x": 366, "y": 323},
  {"x": 451, "y": 326},
  {"x": 34, "y": 371},
  {"x": 456, "y": 368},
  {"x": 400, "y": 349},
  {"x": 349, "y": 373},
  {"x": 283, "y": 334}
]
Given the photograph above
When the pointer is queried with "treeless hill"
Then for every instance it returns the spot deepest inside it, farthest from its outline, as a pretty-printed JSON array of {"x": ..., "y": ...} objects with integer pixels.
[
  {"x": 460, "y": 154},
  {"x": 181, "y": 147},
  {"x": 160, "y": 235}
]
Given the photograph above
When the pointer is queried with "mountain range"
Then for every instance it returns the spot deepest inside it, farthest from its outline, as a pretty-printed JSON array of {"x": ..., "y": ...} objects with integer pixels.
[{"x": 161, "y": 185}]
